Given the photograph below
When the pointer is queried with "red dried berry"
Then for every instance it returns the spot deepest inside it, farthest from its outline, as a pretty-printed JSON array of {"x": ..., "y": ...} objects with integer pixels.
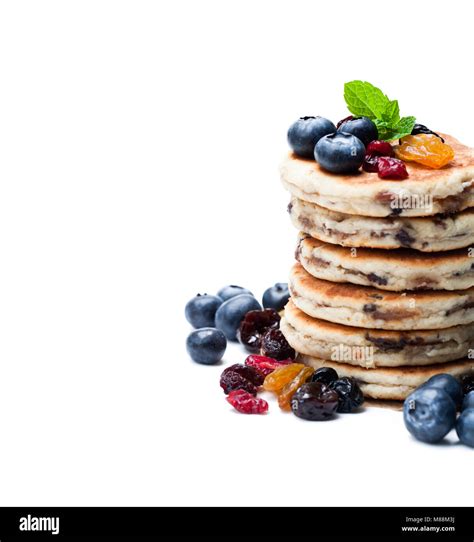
[
  {"x": 241, "y": 377},
  {"x": 265, "y": 365},
  {"x": 274, "y": 345},
  {"x": 380, "y": 148},
  {"x": 392, "y": 168},
  {"x": 250, "y": 373},
  {"x": 371, "y": 163},
  {"x": 254, "y": 325},
  {"x": 246, "y": 403},
  {"x": 233, "y": 381}
]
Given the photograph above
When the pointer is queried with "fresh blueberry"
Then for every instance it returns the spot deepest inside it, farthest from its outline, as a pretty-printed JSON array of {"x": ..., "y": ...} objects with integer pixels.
[
  {"x": 361, "y": 127},
  {"x": 465, "y": 427},
  {"x": 468, "y": 401},
  {"x": 276, "y": 297},
  {"x": 232, "y": 290},
  {"x": 231, "y": 313},
  {"x": 306, "y": 132},
  {"x": 206, "y": 345},
  {"x": 429, "y": 414},
  {"x": 447, "y": 383},
  {"x": 200, "y": 311},
  {"x": 340, "y": 153}
]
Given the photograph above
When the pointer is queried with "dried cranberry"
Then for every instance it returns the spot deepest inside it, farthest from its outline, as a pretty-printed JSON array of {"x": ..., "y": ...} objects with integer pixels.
[
  {"x": 233, "y": 381},
  {"x": 371, "y": 163},
  {"x": 350, "y": 117},
  {"x": 250, "y": 373},
  {"x": 265, "y": 365},
  {"x": 380, "y": 148},
  {"x": 246, "y": 403},
  {"x": 240, "y": 377},
  {"x": 254, "y": 325},
  {"x": 274, "y": 345},
  {"x": 392, "y": 168}
]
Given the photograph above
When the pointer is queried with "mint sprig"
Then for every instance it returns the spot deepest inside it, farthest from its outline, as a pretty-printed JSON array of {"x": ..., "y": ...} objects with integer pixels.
[{"x": 365, "y": 100}]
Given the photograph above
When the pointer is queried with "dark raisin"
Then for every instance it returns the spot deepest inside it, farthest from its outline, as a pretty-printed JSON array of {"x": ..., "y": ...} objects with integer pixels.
[
  {"x": 405, "y": 238},
  {"x": 253, "y": 327},
  {"x": 349, "y": 392},
  {"x": 314, "y": 401},
  {"x": 422, "y": 129},
  {"x": 325, "y": 375},
  {"x": 467, "y": 383},
  {"x": 369, "y": 307},
  {"x": 378, "y": 280},
  {"x": 274, "y": 345}
]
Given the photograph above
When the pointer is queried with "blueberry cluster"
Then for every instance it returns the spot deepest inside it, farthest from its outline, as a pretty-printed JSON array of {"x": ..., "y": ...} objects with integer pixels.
[
  {"x": 344, "y": 148},
  {"x": 430, "y": 412},
  {"x": 218, "y": 318},
  {"x": 338, "y": 149}
]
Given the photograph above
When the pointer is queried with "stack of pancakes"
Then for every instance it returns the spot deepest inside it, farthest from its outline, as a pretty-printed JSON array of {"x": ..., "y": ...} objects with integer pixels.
[{"x": 383, "y": 287}]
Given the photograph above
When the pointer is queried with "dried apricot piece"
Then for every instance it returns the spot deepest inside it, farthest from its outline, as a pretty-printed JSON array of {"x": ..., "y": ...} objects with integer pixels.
[
  {"x": 284, "y": 397},
  {"x": 277, "y": 380},
  {"x": 425, "y": 149}
]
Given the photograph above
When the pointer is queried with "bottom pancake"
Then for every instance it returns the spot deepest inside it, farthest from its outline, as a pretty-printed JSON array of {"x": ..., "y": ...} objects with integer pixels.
[{"x": 394, "y": 383}]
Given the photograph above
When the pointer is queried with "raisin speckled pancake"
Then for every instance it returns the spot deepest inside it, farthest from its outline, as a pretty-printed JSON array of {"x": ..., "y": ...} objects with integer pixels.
[
  {"x": 394, "y": 383},
  {"x": 449, "y": 189},
  {"x": 428, "y": 234},
  {"x": 394, "y": 270},
  {"x": 373, "y": 347},
  {"x": 367, "y": 307}
]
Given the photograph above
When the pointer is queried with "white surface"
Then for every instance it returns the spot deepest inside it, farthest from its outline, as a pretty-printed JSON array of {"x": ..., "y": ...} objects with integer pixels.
[{"x": 138, "y": 158}]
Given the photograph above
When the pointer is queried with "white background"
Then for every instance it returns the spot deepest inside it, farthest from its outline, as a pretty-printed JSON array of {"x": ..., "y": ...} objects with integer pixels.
[{"x": 138, "y": 157}]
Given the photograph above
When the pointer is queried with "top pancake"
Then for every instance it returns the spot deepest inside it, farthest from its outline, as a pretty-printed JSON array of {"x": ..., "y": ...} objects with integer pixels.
[{"x": 425, "y": 192}]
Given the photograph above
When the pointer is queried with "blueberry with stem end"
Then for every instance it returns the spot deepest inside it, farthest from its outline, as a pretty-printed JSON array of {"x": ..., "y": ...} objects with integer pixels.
[{"x": 306, "y": 132}]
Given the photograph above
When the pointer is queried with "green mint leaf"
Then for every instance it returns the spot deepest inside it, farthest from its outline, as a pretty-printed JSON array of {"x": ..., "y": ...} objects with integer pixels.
[
  {"x": 391, "y": 115},
  {"x": 365, "y": 100},
  {"x": 405, "y": 125},
  {"x": 389, "y": 132}
]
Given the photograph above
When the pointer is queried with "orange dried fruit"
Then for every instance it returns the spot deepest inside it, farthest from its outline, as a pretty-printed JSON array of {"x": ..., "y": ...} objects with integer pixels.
[
  {"x": 277, "y": 380},
  {"x": 425, "y": 149},
  {"x": 284, "y": 397}
]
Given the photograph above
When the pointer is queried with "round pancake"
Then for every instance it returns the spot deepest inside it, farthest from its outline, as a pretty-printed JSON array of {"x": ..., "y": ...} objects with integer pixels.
[
  {"x": 426, "y": 191},
  {"x": 394, "y": 270},
  {"x": 363, "y": 306},
  {"x": 428, "y": 234},
  {"x": 394, "y": 383},
  {"x": 373, "y": 347}
]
